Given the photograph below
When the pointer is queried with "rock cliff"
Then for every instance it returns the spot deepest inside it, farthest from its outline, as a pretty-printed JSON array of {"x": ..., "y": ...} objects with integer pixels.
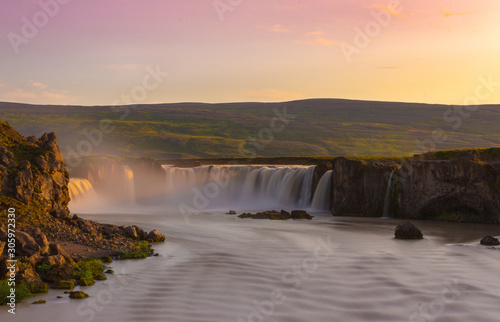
[
  {"x": 32, "y": 173},
  {"x": 457, "y": 185}
]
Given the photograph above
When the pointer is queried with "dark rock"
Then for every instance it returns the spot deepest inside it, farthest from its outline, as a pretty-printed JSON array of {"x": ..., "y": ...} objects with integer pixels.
[
  {"x": 407, "y": 230},
  {"x": 40, "y": 302},
  {"x": 155, "y": 236},
  {"x": 140, "y": 232},
  {"x": 2, "y": 247},
  {"x": 130, "y": 232},
  {"x": 231, "y": 212},
  {"x": 275, "y": 215},
  {"x": 56, "y": 249},
  {"x": 40, "y": 239},
  {"x": 300, "y": 214},
  {"x": 490, "y": 241},
  {"x": 26, "y": 245},
  {"x": 359, "y": 187}
]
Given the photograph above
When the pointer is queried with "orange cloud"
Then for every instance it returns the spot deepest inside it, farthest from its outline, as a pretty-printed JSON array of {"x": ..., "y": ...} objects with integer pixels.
[
  {"x": 448, "y": 13},
  {"x": 35, "y": 93},
  {"x": 317, "y": 38},
  {"x": 393, "y": 11},
  {"x": 279, "y": 28}
]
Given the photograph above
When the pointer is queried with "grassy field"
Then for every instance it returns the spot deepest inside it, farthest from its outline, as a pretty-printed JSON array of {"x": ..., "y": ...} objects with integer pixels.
[{"x": 322, "y": 127}]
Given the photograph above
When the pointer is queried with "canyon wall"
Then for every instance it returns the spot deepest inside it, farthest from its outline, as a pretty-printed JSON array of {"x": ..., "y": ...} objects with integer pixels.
[{"x": 460, "y": 185}]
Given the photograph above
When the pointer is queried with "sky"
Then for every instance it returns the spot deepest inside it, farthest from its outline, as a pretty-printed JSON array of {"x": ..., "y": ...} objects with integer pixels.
[{"x": 114, "y": 52}]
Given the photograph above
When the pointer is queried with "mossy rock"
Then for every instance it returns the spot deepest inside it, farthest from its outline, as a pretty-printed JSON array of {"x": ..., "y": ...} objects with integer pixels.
[
  {"x": 110, "y": 271},
  {"x": 86, "y": 281},
  {"x": 37, "y": 287},
  {"x": 57, "y": 274},
  {"x": 40, "y": 302},
  {"x": 100, "y": 277},
  {"x": 106, "y": 259},
  {"x": 78, "y": 295},
  {"x": 65, "y": 284}
]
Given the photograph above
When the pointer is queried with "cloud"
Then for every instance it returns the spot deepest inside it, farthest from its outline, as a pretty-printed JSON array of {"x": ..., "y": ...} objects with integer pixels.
[
  {"x": 390, "y": 9},
  {"x": 34, "y": 93},
  {"x": 317, "y": 38},
  {"x": 38, "y": 85},
  {"x": 316, "y": 33},
  {"x": 279, "y": 28},
  {"x": 446, "y": 12}
]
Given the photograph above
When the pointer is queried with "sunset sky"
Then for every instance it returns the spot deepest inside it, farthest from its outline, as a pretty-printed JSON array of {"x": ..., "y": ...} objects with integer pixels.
[{"x": 95, "y": 52}]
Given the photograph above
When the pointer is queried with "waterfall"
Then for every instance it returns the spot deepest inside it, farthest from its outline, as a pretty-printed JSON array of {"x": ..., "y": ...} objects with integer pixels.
[
  {"x": 321, "y": 199},
  {"x": 388, "y": 196},
  {"x": 129, "y": 184},
  {"x": 80, "y": 188},
  {"x": 246, "y": 187},
  {"x": 82, "y": 194},
  {"x": 204, "y": 188}
]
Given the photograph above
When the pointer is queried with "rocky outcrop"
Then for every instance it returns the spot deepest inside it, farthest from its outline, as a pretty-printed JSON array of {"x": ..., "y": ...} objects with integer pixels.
[
  {"x": 457, "y": 185},
  {"x": 461, "y": 189},
  {"x": 278, "y": 215},
  {"x": 359, "y": 186},
  {"x": 32, "y": 173}
]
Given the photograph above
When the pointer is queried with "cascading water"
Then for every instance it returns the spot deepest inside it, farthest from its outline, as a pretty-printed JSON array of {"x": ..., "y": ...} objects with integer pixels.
[
  {"x": 321, "y": 199},
  {"x": 388, "y": 196},
  {"x": 205, "y": 188},
  {"x": 130, "y": 187},
  {"x": 82, "y": 194},
  {"x": 246, "y": 187}
]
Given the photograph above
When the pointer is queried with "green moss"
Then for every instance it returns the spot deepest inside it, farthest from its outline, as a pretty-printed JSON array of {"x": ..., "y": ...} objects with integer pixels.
[
  {"x": 21, "y": 290},
  {"x": 86, "y": 281},
  {"x": 57, "y": 274},
  {"x": 65, "y": 284},
  {"x": 142, "y": 250},
  {"x": 78, "y": 295},
  {"x": 40, "y": 302},
  {"x": 106, "y": 259},
  {"x": 100, "y": 278},
  {"x": 37, "y": 287},
  {"x": 89, "y": 268},
  {"x": 44, "y": 268}
]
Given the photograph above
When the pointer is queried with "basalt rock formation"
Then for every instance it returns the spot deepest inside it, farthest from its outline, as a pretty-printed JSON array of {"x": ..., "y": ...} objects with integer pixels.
[
  {"x": 359, "y": 187},
  {"x": 455, "y": 185}
]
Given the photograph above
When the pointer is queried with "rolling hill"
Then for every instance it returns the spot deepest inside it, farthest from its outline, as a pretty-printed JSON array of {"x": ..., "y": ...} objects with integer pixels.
[{"x": 317, "y": 127}]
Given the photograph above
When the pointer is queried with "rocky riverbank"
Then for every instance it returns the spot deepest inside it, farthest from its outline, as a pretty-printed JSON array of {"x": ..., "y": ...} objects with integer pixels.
[{"x": 52, "y": 248}]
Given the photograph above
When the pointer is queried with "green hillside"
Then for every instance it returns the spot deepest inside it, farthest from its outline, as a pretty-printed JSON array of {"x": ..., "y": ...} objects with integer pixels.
[{"x": 321, "y": 127}]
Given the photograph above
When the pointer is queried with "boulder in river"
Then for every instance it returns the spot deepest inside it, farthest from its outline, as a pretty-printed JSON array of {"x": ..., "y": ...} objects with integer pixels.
[
  {"x": 490, "y": 241},
  {"x": 407, "y": 230}
]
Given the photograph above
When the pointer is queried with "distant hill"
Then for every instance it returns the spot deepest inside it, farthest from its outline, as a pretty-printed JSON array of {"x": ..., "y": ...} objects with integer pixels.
[{"x": 317, "y": 127}]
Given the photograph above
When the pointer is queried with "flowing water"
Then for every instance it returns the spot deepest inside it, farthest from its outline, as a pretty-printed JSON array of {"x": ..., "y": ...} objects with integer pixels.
[
  {"x": 217, "y": 267},
  {"x": 388, "y": 196},
  {"x": 321, "y": 199}
]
